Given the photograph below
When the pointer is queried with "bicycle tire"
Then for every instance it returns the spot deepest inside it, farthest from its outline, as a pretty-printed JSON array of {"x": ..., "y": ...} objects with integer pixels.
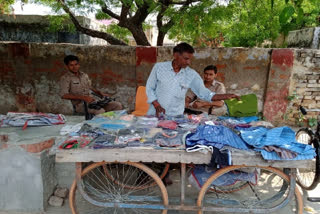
[{"x": 307, "y": 179}]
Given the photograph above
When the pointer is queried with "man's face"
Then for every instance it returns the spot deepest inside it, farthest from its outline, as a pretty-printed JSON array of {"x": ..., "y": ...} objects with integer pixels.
[
  {"x": 183, "y": 59},
  {"x": 73, "y": 66},
  {"x": 209, "y": 75}
]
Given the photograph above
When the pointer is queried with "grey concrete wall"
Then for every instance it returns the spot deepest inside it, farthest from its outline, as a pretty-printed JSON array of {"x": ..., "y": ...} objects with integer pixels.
[
  {"x": 304, "y": 38},
  {"x": 35, "y": 28},
  {"x": 25, "y": 180}
]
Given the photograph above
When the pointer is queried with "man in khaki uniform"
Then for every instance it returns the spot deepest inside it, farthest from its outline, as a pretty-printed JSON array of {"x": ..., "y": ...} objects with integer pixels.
[
  {"x": 76, "y": 86},
  {"x": 214, "y": 107}
]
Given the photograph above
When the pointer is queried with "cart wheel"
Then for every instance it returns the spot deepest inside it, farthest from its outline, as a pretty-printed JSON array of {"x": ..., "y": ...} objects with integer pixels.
[
  {"x": 267, "y": 189},
  {"x": 308, "y": 179},
  {"x": 159, "y": 168},
  {"x": 232, "y": 188},
  {"x": 98, "y": 193}
]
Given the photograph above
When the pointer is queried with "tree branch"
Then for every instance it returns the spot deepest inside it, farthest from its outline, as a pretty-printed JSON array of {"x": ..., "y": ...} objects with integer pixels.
[
  {"x": 109, "y": 12},
  {"x": 164, "y": 28},
  {"x": 124, "y": 12},
  {"x": 94, "y": 33},
  {"x": 141, "y": 14},
  {"x": 184, "y": 2}
]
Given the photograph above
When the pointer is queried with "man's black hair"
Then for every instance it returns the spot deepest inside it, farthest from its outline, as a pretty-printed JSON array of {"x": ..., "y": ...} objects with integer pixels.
[
  {"x": 70, "y": 58},
  {"x": 183, "y": 47},
  {"x": 211, "y": 67}
]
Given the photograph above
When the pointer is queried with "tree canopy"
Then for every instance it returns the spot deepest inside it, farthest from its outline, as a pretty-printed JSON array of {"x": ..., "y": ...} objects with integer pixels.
[{"x": 245, "y": 23}]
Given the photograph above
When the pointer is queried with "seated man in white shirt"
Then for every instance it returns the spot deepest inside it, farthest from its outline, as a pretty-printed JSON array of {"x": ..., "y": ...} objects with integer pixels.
[{"x": 196, "y": 105}]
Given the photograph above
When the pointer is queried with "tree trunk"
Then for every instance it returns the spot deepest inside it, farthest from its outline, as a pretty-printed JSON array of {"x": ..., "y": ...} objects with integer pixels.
[
  {"x": 160, "y": 38},
  {"x": 137, "y": 33}
]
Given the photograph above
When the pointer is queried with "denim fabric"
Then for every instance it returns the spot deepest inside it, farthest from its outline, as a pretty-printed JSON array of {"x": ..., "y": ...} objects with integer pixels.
[{"x": 202, "y": 173}]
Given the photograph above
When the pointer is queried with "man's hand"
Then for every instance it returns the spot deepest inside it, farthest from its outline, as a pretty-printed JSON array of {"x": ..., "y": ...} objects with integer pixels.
[
  {"x": 158, "y": 108},
  {"x": 224, "y": 97},
  {"x": 198, "y": 104}
]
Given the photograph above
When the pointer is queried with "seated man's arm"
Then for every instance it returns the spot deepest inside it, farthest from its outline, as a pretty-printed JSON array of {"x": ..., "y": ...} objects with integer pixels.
[
  {"x": 190, "y": 97},
  {"x": 199, "y": 104},
  {"x": 88, "y": 99},
  {"x": 99, "y": 93},
  {"x": 220, "y": 89},
  {"x": 202, "y": 92},
  {"x": 187, "y": 102}
]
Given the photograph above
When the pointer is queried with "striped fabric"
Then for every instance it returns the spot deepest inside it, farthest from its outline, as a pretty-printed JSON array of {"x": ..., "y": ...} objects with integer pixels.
[
  {"x": 215, "y": 135},
  {"x": 282, "y": 137}
]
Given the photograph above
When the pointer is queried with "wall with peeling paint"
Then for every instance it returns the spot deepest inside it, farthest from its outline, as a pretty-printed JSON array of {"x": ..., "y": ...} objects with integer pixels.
[{"x": 29, "y": 73}]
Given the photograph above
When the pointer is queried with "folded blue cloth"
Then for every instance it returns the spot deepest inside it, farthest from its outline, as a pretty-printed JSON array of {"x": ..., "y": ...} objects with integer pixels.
[
  {"x": 211, "y": 135},
  {"x": 240, "y": 120},
  {"x": 112, "y": 126},
  {"x": 281, "y": 137}
]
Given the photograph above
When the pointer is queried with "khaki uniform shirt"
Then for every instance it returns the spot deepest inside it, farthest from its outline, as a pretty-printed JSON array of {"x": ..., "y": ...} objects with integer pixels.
[
  {"x": 216, "y": 87},
  {"x": 76, "y": 85}
]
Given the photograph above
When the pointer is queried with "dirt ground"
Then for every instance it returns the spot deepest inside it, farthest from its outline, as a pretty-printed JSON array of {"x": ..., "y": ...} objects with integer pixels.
[{"x": 192, "y": 192}]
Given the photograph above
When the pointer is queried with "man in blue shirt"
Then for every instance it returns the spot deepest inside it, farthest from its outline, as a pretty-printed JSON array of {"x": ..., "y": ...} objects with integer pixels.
[{"x": 169, "y": 82}]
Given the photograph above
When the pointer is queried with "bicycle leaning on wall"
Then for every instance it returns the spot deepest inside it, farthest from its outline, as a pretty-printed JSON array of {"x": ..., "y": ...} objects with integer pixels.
[{"x": 306, "y": 178}]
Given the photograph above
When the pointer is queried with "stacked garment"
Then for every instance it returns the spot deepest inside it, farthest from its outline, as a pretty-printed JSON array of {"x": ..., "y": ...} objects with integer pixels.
[
  {"x": 214, "y": 138},
  {"x": 24, "y": 120},
  {"x": 277, "y": 143},
  {"x": 207, "y": 137}
]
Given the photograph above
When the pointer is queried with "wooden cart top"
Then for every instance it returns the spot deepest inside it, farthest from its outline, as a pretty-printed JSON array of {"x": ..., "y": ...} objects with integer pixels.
[{"x": 142, "y": 154}]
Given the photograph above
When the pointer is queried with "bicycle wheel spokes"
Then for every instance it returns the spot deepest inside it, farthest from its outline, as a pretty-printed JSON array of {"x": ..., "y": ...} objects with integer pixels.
[
  {"x": 108, "y": 193},
  {"x": 308, "y": 178},
  {"x": 266, "y": 188},
  {"x": 113, "y": 173},
  {"x": 303, "y": 137}
]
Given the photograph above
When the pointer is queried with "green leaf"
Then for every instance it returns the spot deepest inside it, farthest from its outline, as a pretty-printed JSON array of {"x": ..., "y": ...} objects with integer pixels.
[
  {"x": 300, "y": 16},
  {"x": 312, "y": 122},
  {"x": 286, "y": 14},
  {"x": 101, "y": 15}
]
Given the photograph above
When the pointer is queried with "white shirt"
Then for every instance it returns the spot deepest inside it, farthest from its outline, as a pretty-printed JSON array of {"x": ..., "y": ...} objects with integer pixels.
[{"x": 169, "y": 88}]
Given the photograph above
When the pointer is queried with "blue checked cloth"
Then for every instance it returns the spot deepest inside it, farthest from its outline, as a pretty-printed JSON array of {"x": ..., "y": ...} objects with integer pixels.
[
  {"x": 282, "y": 137},
  {"x": 217, "y": 136}
]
